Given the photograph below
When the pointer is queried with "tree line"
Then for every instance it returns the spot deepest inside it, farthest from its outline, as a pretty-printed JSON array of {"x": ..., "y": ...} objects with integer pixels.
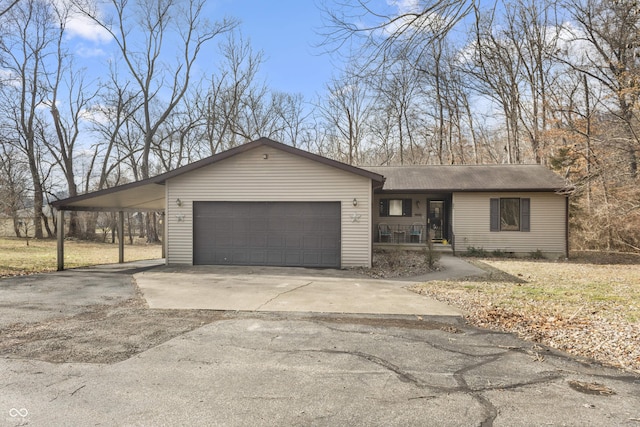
[{"x": 424, "y": 82}]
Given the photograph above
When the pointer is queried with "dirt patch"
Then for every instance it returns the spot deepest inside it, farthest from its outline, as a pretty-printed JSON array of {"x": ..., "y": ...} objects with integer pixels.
[
  {"x": 591, "y": 388},
  {"x": 387, "y": 322},
  {"x": 393, "y": 263},
  {"x": 101, "y": 334},
  {"x": 111, "y": 334}
]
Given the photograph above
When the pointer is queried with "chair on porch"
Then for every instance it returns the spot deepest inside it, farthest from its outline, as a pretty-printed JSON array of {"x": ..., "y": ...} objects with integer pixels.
[
  {"x": 384, "y": 231},
  {"x": 415, "y": 233}
]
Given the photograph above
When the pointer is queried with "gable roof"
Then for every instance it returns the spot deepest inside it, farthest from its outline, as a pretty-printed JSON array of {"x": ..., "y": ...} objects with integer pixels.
[
  {"x": 149, "y": 194},
  {"x": 476, "y": 178},
  {"x": 266, "y": 142}
]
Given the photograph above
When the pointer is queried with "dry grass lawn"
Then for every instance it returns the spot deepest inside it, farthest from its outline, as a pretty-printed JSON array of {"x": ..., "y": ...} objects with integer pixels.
[
  {"x": 588, "y": 306},
  {"x": 16, "y": 258}
]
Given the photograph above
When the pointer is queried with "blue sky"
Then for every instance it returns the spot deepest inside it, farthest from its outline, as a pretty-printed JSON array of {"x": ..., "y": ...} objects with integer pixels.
[{"x": 286, "y": 31}]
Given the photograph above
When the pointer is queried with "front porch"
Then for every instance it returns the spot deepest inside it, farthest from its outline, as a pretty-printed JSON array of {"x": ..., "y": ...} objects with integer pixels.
[
  {"x": 438, "y": 247},
  {"x": 411, "y": 237}
]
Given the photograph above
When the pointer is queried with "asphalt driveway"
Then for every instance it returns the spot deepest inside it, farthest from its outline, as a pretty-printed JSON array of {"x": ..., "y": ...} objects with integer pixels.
[
  {"x": 289, "y": 290},
  {"x": 80, "y": 348}
]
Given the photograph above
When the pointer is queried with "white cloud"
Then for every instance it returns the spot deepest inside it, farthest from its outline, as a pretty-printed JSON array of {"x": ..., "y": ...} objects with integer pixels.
[
  {"x": 8, "y": 78},
  {"x": 89, "y": 52},
  {"x": 83, "y": 27},
  {"x": 96, "y": 114},
  {"x": 78, "y": 25},
  {"x": 405, "y": 6}
]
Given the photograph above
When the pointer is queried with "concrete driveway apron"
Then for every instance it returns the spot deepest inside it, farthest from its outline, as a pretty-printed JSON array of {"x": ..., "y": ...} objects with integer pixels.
[{"x": 282, "y": 289}]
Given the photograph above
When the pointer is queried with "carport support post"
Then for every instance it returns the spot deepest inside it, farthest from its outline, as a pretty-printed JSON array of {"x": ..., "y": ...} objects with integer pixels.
[
  {"x": 164, "y": 236},
  {"x": 121, "y": 235},
  {"x": 60, "y": 237}
]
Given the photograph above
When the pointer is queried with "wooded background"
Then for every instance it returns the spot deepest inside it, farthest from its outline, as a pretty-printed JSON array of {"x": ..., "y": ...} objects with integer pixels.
[{"x": 422, "y": 82}]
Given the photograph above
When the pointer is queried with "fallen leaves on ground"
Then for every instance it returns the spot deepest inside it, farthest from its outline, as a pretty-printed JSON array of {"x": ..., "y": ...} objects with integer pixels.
[{"x": 584, "y": 308}]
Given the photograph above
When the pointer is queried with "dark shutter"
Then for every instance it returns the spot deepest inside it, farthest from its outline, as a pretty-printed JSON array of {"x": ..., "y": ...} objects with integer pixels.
[
  {"x": 494, "y": 214},
  {"x": 384, "y": 207},
  {"x": 525, "y": 214},
  {"x": 406, "y": 207}
]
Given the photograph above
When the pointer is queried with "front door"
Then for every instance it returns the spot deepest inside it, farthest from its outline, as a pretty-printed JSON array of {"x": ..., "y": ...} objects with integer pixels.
[{"x": 436, "y": 221}]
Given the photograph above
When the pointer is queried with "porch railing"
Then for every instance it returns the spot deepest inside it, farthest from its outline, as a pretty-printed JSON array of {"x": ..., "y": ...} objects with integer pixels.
[{"x": 400, "y": 234}]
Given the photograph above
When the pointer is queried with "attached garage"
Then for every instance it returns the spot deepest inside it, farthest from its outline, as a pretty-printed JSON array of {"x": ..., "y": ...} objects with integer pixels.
[
  {"x": 267, "y": 233},
  {"x": 266, "y": 203}
]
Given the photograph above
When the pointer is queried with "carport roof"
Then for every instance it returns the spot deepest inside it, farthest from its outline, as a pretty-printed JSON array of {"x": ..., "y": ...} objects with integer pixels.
[
  {"x": 149, "y": 194},
  {"x": 451, "y": 178}
]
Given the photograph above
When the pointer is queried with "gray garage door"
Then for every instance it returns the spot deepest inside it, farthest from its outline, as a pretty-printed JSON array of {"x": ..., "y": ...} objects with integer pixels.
[{"x": 267, "y": 233}]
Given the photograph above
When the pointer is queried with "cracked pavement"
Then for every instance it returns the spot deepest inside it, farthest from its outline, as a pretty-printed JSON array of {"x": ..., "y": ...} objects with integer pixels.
[
  {"x": 235, "y": 368},
  {"x": 303, "y": 369}
]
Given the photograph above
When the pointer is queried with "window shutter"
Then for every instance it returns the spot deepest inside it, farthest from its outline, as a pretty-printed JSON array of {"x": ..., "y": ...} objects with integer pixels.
[
  {"x": 406, "y": 207},
  {"x": 525, "y": 214},
  {"x": 494, "y": 214},
  {"x": 384, "y": 207}
]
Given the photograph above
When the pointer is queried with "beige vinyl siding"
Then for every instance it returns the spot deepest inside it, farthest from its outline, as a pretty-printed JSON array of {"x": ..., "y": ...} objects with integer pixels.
[
  {"x": 280, "y": 177},
  {"x": 471, "y": 224}
]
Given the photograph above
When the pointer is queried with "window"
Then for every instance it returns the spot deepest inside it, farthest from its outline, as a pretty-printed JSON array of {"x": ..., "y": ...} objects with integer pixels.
[
  {"x": 395, "y": 207},
  {"x": 510, "y": 214}
]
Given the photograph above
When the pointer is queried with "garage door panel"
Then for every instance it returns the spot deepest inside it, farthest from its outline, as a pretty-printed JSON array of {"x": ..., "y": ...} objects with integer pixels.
[
  {"x": 267, "y": 233},
  {"x": 276, "y": 241},
  {"x": 258, "y": 257},
  {"x": 293, "y": 242},
  {"x": 275, "y": 258},
  {"x": 293, "y": 258}
]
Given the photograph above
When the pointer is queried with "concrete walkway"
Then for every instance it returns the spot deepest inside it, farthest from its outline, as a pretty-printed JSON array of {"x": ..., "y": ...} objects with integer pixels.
[{"x": 294, "y": 290}]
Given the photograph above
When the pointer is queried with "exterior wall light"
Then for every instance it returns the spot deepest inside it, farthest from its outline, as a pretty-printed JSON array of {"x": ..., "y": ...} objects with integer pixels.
[
  {"x": 355, "y": 202},
  {"x": 265, "y": 156},
  {"x": 178, "y": 202}
]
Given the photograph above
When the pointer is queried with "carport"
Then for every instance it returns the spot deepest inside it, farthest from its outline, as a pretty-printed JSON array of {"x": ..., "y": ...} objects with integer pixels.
[
  {"x": 141, "y": 196},
  {"x": 262, "y": 203}
]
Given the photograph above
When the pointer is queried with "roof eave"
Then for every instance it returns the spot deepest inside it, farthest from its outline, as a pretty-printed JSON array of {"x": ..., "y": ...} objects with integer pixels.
[
  {"x": 67, "y": 204},
  {"x": 473, "y": 190},
  {"x": 161, "y": 179}
]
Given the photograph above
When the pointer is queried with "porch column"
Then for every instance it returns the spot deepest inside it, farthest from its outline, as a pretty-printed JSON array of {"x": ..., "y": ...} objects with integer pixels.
[
  {"x": 121, "y": 235},
  {"x": 60, "y": 238},
  {"x": 164, "y": 235}
]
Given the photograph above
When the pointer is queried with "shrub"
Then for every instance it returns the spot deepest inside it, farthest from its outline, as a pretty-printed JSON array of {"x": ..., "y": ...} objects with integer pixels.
[
  {"x": 537, "y": 254},
  {"x": 431, "y": 256},
  {"x": 477, "y": 252}
]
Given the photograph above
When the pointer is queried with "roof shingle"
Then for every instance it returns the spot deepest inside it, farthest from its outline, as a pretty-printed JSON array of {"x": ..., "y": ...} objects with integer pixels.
[{"x": 469, "y": 178}]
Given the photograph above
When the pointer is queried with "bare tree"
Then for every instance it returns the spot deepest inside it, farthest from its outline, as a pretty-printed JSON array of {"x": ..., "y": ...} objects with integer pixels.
[
  {"x": 6, "y": 6},
  {"x": 496, "y": 70},
  {"x": 611, "y": 31},
  {"x": 345, "y": 111},
  {"x": 13, "y": 185},
  {"x": 67, "y": 110},
  {"x": 145, "y": 32},
  {"x": 533, "y": 31},
  {"x": 223, "y": 107},
  {"x": 377, "y": 34},
  {"x": 30, "y": 34},
  {"x": 398, "y": 96}
]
